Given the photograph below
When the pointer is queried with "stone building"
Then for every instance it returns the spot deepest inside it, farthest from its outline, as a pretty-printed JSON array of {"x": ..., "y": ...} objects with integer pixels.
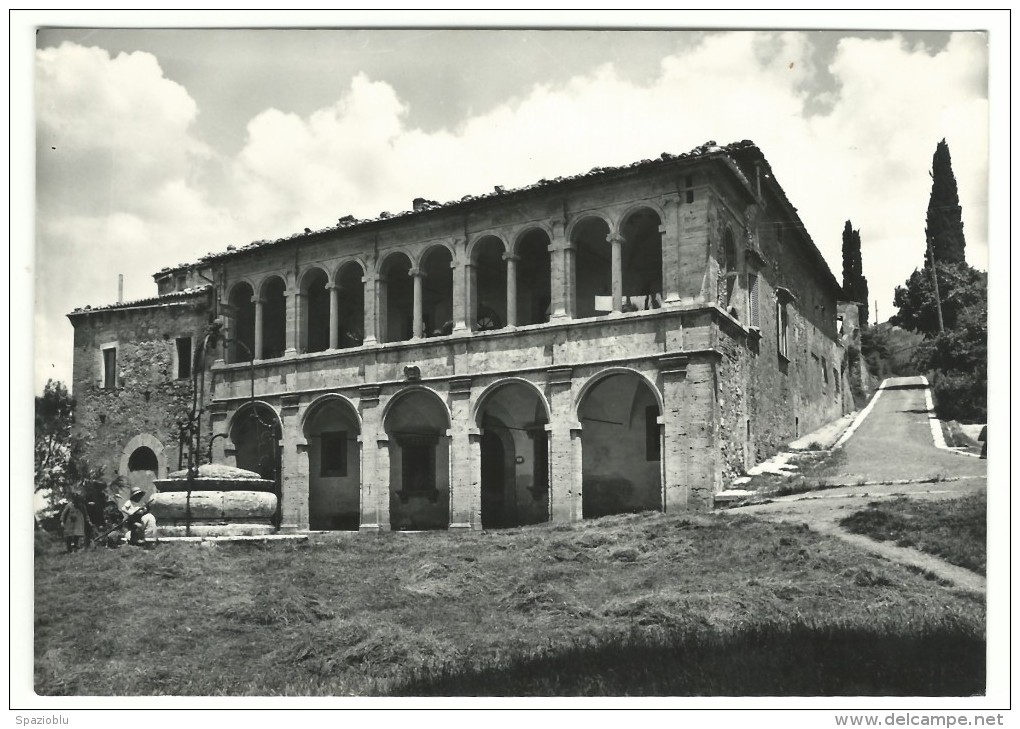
[{"x": 621, "y": 340}]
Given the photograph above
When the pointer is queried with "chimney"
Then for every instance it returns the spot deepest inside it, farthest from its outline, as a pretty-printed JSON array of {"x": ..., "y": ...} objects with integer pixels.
[
  {"x": 418, "y": 203},
  {"x": 120, "y": 288}
]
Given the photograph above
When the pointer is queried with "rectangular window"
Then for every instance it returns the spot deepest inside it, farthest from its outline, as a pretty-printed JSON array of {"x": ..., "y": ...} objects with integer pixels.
[
  {"x": 754, "y": 318},
  {"x": 333, "y": 454},
  {"x": 783, "y": 329},
  {"x": 183, "y": 358},
  {"x": 825, "y": 371},
  {"x": 652, "y": 450},
  {"x": 109, "y": 368},
  {"x": 418, "y": 467}
]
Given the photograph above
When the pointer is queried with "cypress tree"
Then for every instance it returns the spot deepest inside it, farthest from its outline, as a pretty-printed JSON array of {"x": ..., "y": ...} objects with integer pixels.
[
  {"x": 855, "y": 285},
  {"x": 944, "y": 224}
]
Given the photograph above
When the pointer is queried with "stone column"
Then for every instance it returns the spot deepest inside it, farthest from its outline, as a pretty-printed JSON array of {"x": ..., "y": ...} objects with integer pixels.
[
  {"x": 676, "y": 449},
  {"x": 465, "y": 469},
  {"x": 417, "y": 275},
  {"x": 375, "y": 464},
  {"x": 257, "y": 354},
  {"x": 295, "y": 335},
  {"x": 616, "y": 242},
  {"x": 511, "y": 288},
  {"x": 334, "y": 316},
  {"x": 564, "y": 449},
  {"x": 293, "y": 468},
  {"x": 462, "y": 294},
  {"x": 374, "y": 293}
]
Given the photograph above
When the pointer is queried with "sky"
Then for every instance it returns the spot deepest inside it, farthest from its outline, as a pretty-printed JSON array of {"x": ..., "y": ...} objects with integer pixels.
[{"x": 154, "y": 147}]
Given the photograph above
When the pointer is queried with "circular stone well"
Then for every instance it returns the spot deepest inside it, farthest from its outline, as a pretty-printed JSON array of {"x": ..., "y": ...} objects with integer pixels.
[{"x": 219, "y": 501}]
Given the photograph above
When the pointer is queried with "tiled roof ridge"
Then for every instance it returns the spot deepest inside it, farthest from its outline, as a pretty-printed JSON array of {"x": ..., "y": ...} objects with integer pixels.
[
  {"x": 160, "y": 299},
  {"x": 425, "y": 205}
]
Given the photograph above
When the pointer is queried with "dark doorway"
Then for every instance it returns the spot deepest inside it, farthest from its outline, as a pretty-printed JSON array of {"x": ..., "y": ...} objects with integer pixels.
[{"x": 494, "y": 505}]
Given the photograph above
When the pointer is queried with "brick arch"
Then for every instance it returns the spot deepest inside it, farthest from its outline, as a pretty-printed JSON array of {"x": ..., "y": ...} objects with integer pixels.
[
  {"x": 267, "y": 280},
  {"x": 143, "y": 440},
  {"x": 519, "y": 235},
  {"x": 338, "y": 269},
  {"x": 424, "y": 252},
  {"x": 638, "y": 207}
]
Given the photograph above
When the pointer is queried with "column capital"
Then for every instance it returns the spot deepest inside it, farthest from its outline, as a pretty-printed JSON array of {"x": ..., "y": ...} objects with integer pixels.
[
  {"x": 334, "y": 287},
  {"x": 257, "y": 300},
  {"x": 511, "y": 257},
  {"x": 615, "y": 238},
  {"x": 416, "y": 272}
]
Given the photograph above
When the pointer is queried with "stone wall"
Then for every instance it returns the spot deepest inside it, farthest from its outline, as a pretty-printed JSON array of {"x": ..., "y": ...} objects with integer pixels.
[{"x": 144, "y": 407}]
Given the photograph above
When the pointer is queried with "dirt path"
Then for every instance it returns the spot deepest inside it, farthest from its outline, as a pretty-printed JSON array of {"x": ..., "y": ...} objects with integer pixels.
[{"x": 894, "y": 443}]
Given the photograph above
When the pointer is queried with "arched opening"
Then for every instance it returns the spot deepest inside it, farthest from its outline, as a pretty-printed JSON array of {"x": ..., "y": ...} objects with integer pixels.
[
  {"x": 241, "y": 344},
  {"x": 274, "y": 318},
  {"x": 334, "y": 466},
  {"x": 490, "y": 272},
  {"x": 396, "y": 299},
  {"x": 514, "y": 451},
  {"x": 641, "y": 260},
  {"x": 620, "y": 447},
  {"x": 417, "y": 425},
  {"x": 315, "y": 311},
  {"x": 593, "y": 269},
  {"x": 143, "y": 467},
  {"x": 352, "y": 306},
  {"x": 534, "y": 285},
  {"x": 255, "y": 435},
  {"x": 437, "y": 292}
]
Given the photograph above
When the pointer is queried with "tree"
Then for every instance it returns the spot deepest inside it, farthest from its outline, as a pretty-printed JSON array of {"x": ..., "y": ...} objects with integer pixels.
[
  {"x": 61, "y": 463},
  {"x": 944, "y": 224},
  {"x": 959, "y": 359},
  {"x": 960, "y": 287},
  {"x": 855, "y": 285}
]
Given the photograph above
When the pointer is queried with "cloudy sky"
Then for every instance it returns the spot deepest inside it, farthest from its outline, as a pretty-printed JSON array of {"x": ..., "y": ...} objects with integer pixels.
[{"x": 154, "y": 147}]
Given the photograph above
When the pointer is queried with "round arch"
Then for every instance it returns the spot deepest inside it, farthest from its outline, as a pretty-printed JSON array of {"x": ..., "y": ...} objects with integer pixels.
[
  {"x": 609, "y": 372},
  {"x": 269, "y": 280},
  {"x": 234, "y": 287},
  {"x": 405, "y": 391},
  {"x": 307, "y": 274},
  {"x": 143, "y": 440},
  {"x": 479, "y": 406},
  {"x": 640, "y": 207},
  {"x": 519, "y": 235},
  {"x": 431, "y": 248},
  {"x": 473, "y": 244},
  {"x": 573, "y": 225},
  {"x": 329, "y": 399},
  {"x": 340, "y": 269},
  {"x": 621, "y": 444}
]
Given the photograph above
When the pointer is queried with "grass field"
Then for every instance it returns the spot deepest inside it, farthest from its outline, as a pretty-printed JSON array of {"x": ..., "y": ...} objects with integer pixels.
[
  {"x": 637, "y": 605},
  {"x": 954, "y": 529}
]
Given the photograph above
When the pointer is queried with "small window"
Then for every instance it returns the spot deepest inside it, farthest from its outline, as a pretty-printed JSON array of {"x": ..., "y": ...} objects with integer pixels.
[
  {"x": 109, "y": 368},
  {"x": 652, "y": 450},
  {"x": 783, "y": 329},
  {"x": 825, "y": 371},
  {"x": 752, "y": 301},
  {"x": 183, "y": 358},
  {"x": 333, "y": 454},
  {"x": 182, "y": 282},
  {"x": 418, "y": 466}
]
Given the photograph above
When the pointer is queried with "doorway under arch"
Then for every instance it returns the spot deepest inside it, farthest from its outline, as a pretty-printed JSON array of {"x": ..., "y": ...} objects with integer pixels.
[
  {"x": 514, "y": 457},
  {"x": 334, "y": 466},
  {"x": 620, "y": 447},
  {"x": 417, "y": 424}
]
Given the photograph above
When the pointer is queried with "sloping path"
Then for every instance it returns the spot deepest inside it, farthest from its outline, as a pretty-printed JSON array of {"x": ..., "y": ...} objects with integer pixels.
[{"x": 893, "y": 443}]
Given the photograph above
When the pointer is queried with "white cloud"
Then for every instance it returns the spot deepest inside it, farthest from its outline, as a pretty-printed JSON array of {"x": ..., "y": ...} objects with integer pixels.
[{"x": 142, "y": 191}]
